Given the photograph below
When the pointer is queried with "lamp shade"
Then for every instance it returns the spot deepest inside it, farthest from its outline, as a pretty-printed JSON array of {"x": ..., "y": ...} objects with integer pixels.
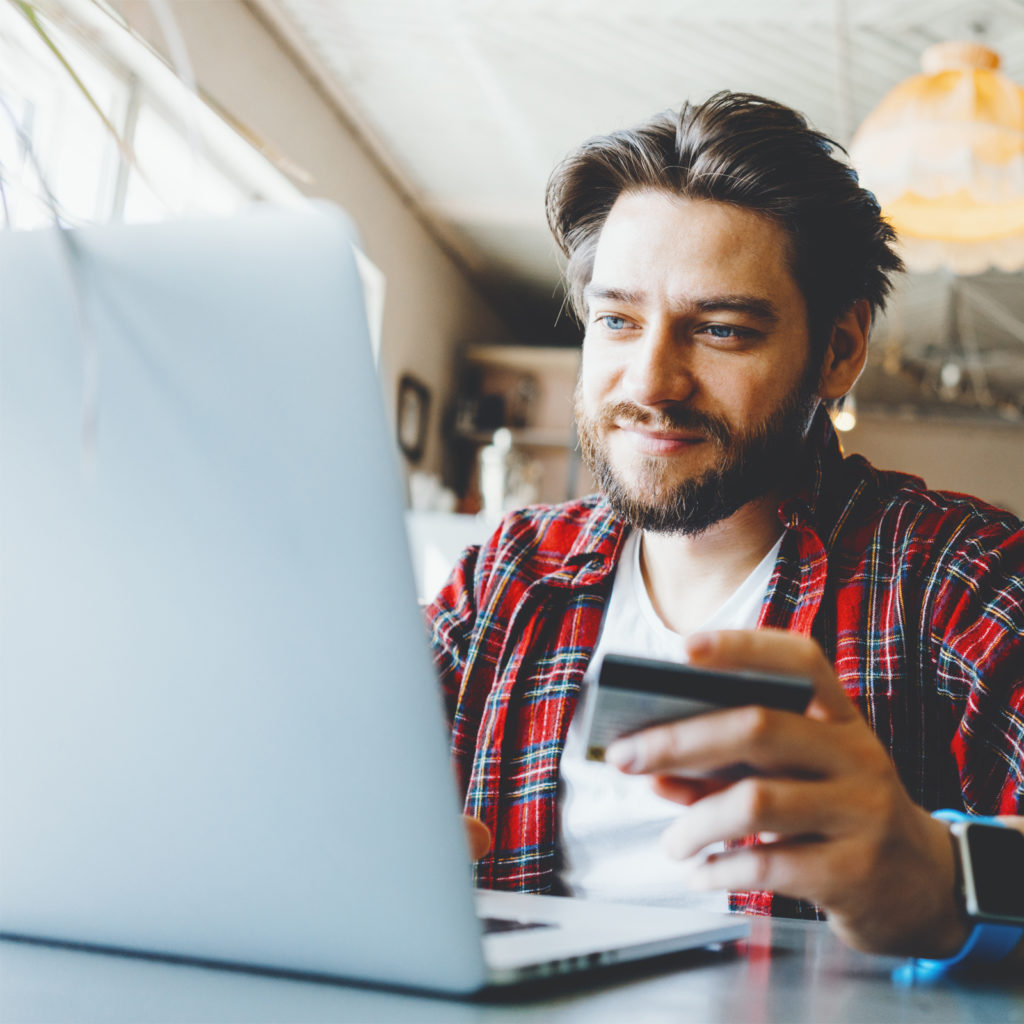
[{"x": 944, "y": 154}]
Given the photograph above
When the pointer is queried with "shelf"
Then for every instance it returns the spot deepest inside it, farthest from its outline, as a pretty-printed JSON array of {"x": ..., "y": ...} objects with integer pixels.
[
  {"x": 525, "y": 358},
  {"x": 525, "y": 437},
  {"x": 526, "y": 384}
]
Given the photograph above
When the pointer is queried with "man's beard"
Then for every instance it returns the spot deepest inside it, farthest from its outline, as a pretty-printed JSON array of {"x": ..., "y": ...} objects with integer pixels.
[{"x": 749, "y": 465}]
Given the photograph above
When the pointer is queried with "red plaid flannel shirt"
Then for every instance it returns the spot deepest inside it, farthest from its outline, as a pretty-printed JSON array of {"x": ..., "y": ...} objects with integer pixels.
[{"x": 916, "y": 596}]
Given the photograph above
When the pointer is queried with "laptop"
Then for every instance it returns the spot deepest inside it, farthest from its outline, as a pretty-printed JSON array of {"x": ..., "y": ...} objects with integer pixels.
[{"x": 221, "y": 734}]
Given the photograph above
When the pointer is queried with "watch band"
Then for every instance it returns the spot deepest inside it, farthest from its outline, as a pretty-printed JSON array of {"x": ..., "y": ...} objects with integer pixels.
[{"x": 988, "y": 942}]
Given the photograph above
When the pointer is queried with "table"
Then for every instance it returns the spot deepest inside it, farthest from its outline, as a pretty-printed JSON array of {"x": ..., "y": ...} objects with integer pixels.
[{"x": 792, "y": 971}]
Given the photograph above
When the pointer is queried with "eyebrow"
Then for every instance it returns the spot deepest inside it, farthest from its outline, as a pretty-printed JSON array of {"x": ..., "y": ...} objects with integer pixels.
[{"x": 752, "y": 305}]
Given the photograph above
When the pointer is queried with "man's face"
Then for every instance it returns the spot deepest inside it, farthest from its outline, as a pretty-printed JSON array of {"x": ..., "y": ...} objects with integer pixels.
[{"x": 697, "y": 383}]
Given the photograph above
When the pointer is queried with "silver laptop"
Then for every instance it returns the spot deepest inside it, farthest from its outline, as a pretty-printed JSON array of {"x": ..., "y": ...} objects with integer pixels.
[{"x": 221, "y": 735}]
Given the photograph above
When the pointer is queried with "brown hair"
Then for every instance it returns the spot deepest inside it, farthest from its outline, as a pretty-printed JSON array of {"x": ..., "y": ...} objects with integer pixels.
[{"x": 751, "y": 152}]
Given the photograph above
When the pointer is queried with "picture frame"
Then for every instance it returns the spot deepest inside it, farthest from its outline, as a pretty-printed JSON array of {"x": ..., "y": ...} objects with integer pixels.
[{"x": 412, "y": 413}]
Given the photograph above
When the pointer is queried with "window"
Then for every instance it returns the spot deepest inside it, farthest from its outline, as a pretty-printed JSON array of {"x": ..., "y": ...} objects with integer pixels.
[{"x": 127, "y": 141}]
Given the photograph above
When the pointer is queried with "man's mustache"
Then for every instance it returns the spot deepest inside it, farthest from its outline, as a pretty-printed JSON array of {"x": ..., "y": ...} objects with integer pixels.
[{"x": 668, "y": 418}]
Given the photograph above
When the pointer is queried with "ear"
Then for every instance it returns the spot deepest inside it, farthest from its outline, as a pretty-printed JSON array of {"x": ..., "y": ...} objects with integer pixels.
[{"x": 847, "y": 351}]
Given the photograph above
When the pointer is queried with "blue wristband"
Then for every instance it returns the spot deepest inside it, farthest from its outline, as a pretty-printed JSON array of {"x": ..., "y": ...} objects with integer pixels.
[{"x": 988, "y": 942}]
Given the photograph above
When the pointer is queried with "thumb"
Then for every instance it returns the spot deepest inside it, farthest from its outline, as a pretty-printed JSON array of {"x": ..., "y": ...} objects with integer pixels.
[{"x": 775, "y": 651}]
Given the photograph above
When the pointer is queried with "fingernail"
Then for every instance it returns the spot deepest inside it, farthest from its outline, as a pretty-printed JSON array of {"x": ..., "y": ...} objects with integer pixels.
[
  {"x": 672, "y": 845},
  {"x": 690, "y": 874},
  {"x": 699, "y": 643},
  {"x": 625, "y": 755}
]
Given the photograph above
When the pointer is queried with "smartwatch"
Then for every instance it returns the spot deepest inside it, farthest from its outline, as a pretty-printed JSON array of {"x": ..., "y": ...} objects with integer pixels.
[{"x": 990, "y": 890}]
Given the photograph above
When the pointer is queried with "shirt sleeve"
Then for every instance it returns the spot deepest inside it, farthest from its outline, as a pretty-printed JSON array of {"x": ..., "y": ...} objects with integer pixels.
[
  {"x": 980, "y": 652},
  {"x": 451, "y": 617}
]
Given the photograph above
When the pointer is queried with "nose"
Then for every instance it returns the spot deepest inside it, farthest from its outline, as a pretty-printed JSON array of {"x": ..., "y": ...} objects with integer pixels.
[{"x": 658, "y": 370}]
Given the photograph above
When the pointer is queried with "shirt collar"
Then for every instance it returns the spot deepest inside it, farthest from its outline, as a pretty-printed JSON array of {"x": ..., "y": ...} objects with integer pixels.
[
  {"x": 820, "y": 495},
  {"x": 595, "y": 552}
]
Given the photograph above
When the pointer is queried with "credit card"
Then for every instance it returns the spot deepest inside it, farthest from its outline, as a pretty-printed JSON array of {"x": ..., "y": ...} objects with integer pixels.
[{"x": 637, "y": 693}]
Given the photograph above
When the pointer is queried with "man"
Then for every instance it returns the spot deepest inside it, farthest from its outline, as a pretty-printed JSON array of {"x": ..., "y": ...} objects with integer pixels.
[{"x": 727, "y": 269}]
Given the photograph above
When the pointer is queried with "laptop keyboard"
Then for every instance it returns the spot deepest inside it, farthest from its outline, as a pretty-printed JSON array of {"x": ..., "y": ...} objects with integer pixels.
[{"x": 493, "y": 925}]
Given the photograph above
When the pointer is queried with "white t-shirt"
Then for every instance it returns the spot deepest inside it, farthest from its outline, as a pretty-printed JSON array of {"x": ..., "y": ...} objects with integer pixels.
[{"x": 610, "y": 822}]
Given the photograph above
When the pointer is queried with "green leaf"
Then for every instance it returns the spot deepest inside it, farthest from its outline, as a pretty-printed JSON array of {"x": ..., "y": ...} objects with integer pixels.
[{"x": 31, "y": 15}]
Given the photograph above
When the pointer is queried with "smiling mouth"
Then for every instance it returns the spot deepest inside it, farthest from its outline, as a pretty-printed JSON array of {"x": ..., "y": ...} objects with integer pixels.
[{"x": 661, "y": 442}]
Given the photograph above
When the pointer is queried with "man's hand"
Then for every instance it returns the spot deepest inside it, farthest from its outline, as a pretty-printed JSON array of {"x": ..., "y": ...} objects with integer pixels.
[
  {"x": 478, "y": 835},
  {"x": 835, "y": 823}
]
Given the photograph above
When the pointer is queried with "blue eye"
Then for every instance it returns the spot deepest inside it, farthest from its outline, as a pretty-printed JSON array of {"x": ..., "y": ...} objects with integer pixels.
[
  {"x": 614, "y": 323},
  {"x": 722, "y": 331}
]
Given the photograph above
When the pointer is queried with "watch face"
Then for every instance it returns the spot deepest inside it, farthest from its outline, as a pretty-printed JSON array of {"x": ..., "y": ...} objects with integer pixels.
[{"x": 996, "y": 868}]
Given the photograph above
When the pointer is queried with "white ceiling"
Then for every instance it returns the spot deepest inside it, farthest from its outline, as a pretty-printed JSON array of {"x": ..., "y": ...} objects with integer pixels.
[{"x": 470, "y": 103}]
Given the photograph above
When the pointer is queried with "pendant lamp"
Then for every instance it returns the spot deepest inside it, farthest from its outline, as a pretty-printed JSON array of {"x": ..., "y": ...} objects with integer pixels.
[{"x": 944, "y": 154}]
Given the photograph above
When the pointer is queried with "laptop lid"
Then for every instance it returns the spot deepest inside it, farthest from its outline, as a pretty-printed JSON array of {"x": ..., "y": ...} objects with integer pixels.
[{"x": 220, "y": 730}]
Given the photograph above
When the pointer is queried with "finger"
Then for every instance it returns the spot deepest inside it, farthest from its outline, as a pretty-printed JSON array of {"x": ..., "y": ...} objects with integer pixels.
[
  {"x": 760, "y": 739},
  {"x": 758, "y": 806},
  {"x": 685, "y": 791},
  {"x": 1012, "y": 821},
  {"x": 775, "y": 650},
  {"x": 478, "y": 835},
  {"x": 798, "y": 868}
]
